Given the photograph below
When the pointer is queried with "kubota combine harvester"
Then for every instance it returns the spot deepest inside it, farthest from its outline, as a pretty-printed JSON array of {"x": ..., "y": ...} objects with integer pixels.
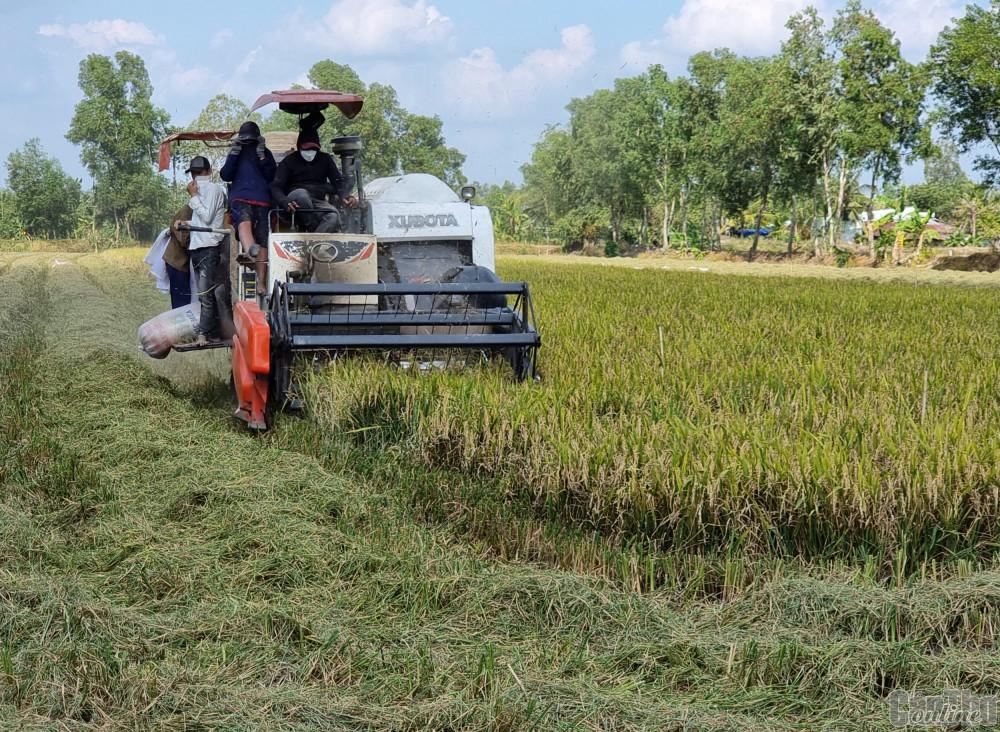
[{"x": 410, "y": 277}]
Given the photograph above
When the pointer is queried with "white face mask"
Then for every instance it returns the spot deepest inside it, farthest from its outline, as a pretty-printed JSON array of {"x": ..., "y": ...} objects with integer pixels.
[{"x": 308, "y": 155}]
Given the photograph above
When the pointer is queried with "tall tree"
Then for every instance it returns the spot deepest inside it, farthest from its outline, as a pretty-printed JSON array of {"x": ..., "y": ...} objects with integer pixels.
[
  {"x": 11, "y": 226},
  {"x": 671, "y": 147},
  {"x": 117, "y": 127},
  {"x": 942, "y": 166},
  {"x": 223, "y": 112},
  {"x": 881, "y": 98},
  {"x": 945, "y": 183},
  {"x": 601, "y": 161},
  {"x": 46, "y": 198},
  {"x": 549, "y": 184},
  {"x": 603, "y": 169},
  {"x": 754, "y": 130},
  {"x": 967, "y": 82},
  {"x": 700, "y": 97},
  {"x": 638, "y": 125},
  {"x": 809, "y": 72},
  {"x": 422, "y": 149}
]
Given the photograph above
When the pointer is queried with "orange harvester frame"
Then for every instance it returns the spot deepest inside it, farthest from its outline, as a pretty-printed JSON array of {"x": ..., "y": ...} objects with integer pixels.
[{"x": 251, "y": 363}]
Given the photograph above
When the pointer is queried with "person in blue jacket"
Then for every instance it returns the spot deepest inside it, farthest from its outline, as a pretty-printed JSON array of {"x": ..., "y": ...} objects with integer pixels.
[{"x": 250, "y": 168}]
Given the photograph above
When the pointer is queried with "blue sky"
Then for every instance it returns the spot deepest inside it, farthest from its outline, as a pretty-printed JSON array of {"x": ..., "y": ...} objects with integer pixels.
[{"x": 496, "y": 71}]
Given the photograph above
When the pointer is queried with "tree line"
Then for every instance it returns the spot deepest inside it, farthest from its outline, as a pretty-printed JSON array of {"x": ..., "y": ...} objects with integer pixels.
[{"x": 815, "y": 134}]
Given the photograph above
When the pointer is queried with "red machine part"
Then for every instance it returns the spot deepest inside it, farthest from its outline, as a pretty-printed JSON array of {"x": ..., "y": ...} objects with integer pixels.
[
  {"x": 251, "y": 363},
  {"x": 301, "y": 101},
  {"x": 220, "y": 136}
]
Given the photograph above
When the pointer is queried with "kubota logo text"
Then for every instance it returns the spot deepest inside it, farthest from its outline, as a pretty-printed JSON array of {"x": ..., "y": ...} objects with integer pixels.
[{"x": 422, "y": 222}]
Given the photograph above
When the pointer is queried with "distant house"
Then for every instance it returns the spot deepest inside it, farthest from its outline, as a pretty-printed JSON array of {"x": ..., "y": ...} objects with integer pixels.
[
  {"x": 853, "y": 229},
  {"x": 945, "y": 230}
]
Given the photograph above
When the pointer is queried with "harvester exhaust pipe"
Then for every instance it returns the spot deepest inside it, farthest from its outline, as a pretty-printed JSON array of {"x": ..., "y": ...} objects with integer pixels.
[{"x": 348, "y": 149}]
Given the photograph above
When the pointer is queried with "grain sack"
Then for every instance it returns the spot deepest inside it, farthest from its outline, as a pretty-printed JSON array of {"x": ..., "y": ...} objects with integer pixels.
[{"x": 172, "y": 328}]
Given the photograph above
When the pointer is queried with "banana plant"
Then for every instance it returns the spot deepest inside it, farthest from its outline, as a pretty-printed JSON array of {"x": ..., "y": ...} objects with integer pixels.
[{"x": 915, "y": 225}]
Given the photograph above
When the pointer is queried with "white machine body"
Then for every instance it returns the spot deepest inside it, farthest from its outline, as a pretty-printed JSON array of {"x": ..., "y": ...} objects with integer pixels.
[
  {"x": 416, "y": 230},
  {"x": 422, "y": 208}
]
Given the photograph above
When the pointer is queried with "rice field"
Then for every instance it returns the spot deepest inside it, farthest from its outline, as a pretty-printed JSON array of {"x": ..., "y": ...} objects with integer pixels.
[
  {"x": 688, "y": 410},
  {"x": 161, "y": 569}
]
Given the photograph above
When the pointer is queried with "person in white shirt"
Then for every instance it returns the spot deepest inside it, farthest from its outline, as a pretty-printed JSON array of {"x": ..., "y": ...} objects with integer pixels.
[{"x": 208, "y": 207}]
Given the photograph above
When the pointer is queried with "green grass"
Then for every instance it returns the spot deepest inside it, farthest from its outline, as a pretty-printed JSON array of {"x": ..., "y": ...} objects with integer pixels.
[{"x": 161, "y": 569}]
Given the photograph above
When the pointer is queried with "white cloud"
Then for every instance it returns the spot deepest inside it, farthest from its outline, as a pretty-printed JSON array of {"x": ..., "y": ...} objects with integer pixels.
[
  {"x": 640, "y": 55},
  {"x": 191, "y": 81},
  {"x": 759, "y": 27},
  {"x": 221, "y": 38},
  {"x": 381, "y": 26},
  {"x": 744, "y": 26},
  {"x": 98, "y": 35},
  {"x": 479, "y": 81},
  {"x": 248, "y": 61},
  {"x": 750, "y": 27},
  {"x": 917, "y": 23},
  {"x": 171, "y": 78}
]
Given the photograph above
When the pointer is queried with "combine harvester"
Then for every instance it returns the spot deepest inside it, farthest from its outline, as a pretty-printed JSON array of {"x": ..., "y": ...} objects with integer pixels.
[{"x": 410, "y": 277}]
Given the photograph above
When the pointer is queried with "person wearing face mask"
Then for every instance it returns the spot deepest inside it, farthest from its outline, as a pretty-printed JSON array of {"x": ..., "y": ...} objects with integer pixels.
[
  {"x": 304, "y": 180},
  {"x": 250, "y": 168},
  {"x": 208, "y": 207}
]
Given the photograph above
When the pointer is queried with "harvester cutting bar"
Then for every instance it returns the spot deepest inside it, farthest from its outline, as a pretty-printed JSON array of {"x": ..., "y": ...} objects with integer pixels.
[
  {"x": 484, "y": 341},
  {"x": 442, "y": 288},
  {"x": 473, "y": 317}
]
